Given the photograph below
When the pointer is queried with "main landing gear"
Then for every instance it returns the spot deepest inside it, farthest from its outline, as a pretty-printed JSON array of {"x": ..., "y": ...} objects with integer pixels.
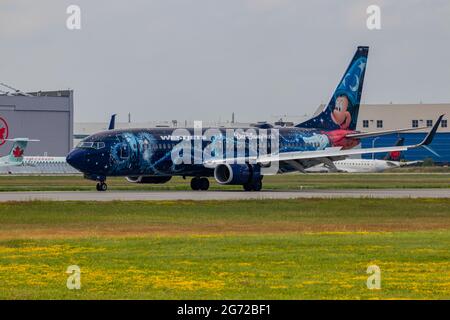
[
  {"x": 200, "y": 184},
  {"x": 253, "y": 185},
  {"x": 102, "y": 186}
]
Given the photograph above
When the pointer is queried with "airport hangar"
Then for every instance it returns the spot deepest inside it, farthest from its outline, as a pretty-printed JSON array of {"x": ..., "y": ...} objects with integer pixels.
[{"x": 45, "y": 116}]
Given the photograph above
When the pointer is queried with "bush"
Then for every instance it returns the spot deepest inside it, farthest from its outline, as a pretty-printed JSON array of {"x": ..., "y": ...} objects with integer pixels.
[{"x": 428, "y": 162}]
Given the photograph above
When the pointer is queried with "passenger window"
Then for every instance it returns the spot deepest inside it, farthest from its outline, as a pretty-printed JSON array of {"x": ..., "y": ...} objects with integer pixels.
[{"x": 99, "y": 145}]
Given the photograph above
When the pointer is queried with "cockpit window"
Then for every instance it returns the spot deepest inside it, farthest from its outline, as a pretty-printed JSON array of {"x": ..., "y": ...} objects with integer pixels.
[
  {"x": 91, "y": 145},
  {"x": 85, "y": 145}
]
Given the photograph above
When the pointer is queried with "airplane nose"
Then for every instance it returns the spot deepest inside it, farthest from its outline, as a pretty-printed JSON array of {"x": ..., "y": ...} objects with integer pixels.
[{"x": 76, "y": 158}]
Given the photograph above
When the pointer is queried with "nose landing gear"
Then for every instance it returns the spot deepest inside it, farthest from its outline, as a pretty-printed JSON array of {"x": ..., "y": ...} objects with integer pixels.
[
  {"x": 200, "y": 184},
  {"x": 102, "y": 186}
]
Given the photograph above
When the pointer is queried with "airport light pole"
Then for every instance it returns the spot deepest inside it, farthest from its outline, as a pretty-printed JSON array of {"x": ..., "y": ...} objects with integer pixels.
[{"x": 373, "y": 146}]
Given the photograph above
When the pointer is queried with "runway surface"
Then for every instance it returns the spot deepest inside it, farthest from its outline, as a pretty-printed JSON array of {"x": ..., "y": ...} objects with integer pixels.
[{"x": 221, "y": 195}]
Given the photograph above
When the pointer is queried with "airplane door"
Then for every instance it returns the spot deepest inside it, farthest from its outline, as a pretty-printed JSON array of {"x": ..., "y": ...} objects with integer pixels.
[{"x": 124, "y": 151}]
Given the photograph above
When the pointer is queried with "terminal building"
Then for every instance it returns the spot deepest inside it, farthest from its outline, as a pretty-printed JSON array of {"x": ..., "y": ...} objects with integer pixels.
[
  {"x": 44, "y": 116},
  {"x": 381, "y": 117}
]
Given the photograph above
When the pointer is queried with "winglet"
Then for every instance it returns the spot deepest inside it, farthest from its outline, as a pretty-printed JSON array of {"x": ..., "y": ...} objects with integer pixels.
[
  {"x": 432, "y": 133},
  {"x": 112, "y": 122}
]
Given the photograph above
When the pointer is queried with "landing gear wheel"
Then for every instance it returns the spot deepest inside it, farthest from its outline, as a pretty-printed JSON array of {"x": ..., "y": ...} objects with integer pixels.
[
  {"x": 195, "y": 184},
  {"x": 101, "y": 186},
  {"x": 253, "y": 186},
  {"x": 257, "y": 186},
  {"x": 200, "y": 184},
  {"x": 204, "y": 184}
]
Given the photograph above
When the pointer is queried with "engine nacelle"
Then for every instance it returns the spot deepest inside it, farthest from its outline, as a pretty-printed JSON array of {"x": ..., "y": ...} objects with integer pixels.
[
  {"x": 235, "y": 174},
  {"x": 148, "y": 179}
]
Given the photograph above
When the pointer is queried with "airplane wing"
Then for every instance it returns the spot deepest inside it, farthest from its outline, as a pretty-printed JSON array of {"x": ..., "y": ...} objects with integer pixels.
[
  {"x": 360, "y": 135},
  {"x": 331, "y": 153}
]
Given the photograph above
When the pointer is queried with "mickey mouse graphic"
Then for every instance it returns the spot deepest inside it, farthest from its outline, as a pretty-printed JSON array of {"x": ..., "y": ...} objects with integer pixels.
[
  {"x": 340, "y": 115},
  {"x": 344, "y": 111}
]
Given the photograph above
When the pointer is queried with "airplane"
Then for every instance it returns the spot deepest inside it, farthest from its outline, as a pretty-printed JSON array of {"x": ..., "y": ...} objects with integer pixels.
[
  {"x": 15, "y": 155},
  {"x": 390, "y": 161},
  {"x": 16, "y": 162},
  {"x": 235, "y": 156}
]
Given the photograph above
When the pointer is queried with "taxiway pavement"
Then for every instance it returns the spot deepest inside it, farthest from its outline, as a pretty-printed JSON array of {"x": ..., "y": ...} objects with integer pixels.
[{"x": 220, "y": 195}]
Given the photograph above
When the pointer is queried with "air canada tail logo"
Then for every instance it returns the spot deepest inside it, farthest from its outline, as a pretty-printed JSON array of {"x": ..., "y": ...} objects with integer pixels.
[
  {"x": 4, "y": 131},
  {"x": 17, "y": 152}
]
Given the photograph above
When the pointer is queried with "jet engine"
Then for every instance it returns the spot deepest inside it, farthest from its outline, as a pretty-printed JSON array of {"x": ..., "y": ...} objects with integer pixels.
[
  {"x": 235, "y": 174},
  {"x": 149, "y": 179}
]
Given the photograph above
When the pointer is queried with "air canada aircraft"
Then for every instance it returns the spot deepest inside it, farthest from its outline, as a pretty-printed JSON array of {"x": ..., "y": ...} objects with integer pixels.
[
  {"x": 16, "y": 163},
  {"x": 15, "y": 156},
  {"x": 390, "y": 161},
  {"x": 235, "y": 156}
]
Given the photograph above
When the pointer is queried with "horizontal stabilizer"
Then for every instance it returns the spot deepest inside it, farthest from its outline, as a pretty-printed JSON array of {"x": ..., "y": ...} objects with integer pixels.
[
  {"x": 22, "y": 140},
  {"x": 432, "y": 151}
]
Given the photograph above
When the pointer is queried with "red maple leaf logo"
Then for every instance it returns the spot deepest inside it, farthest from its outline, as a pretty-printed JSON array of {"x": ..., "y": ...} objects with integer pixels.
[
  {"x": 2, "y": 133},
  {"x": 17, "y": 152},
  {"x": 395, "y": 155}
]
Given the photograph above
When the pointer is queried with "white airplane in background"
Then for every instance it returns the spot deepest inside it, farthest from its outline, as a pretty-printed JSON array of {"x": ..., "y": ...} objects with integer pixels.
[
  {"x": 391, "y": 161},
  {"x": 15, "y": 162},
  {"x": 15, "y": 156},
  {"x": 369, "y": 166}
]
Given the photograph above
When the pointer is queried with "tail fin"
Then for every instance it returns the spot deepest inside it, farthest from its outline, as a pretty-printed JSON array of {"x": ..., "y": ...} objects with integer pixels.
[
  {"x": 395, "y": 155},
  {"x": 15, "y": 156},
  {"x": 342, "y": 110},
  {"x": 112, "y": 122}
]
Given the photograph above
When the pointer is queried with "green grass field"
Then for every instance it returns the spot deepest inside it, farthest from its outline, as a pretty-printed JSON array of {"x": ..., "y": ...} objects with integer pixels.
[
  {"x": 287, "y": 249},
  {"x": 279, "y": 182}
]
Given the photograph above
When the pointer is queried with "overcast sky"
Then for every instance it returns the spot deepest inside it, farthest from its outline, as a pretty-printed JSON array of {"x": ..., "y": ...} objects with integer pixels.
[{"x": 203, "y": 59}]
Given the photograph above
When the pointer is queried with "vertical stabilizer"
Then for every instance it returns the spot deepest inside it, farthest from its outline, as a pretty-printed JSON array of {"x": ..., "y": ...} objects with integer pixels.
[
  {"x": 15, "y": 156},
  {"x": 342, "y": 110}
]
